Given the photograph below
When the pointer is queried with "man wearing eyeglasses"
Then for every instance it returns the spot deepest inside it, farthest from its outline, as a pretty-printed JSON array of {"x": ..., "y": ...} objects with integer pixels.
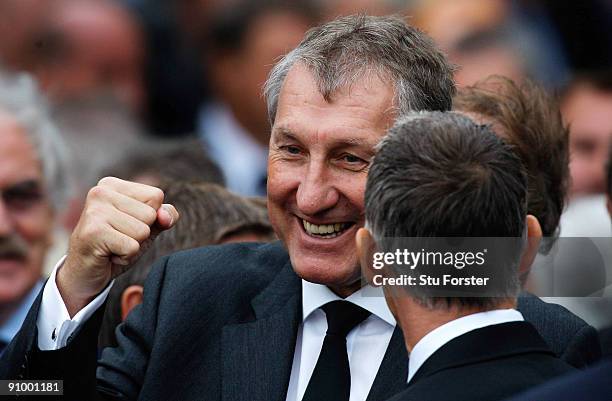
[{"x": 31, "y": 185}]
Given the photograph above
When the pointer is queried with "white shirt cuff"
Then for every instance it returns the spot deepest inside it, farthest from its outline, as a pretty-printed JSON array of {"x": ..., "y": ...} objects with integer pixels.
[{"x": 55, "y": 328}]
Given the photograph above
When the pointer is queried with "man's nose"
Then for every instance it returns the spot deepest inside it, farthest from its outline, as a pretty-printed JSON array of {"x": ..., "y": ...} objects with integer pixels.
[
  {"x": 316, "y": 192},
  {"x": 6, "y": 222}
]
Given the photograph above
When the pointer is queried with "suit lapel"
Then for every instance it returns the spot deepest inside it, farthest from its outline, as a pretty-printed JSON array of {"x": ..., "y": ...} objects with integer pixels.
[
  {"x": 393, "y": 371},
  {"x": 257, "y": 355}
]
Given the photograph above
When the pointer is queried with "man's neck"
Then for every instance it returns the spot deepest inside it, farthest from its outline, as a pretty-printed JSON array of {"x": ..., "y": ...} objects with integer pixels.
[
  {"x": 417, "y": 321},
  {"x": 346, "y": 291}
]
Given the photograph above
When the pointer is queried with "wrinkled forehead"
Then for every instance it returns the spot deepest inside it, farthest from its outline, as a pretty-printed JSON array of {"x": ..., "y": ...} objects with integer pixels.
[{"x": 363, "y": 107}]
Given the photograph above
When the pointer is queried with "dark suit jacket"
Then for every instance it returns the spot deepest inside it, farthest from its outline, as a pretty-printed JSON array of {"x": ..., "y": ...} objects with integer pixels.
[
  {"x": 593, "y": 384},
  {"x": 220, "y": 323},
  {"x": 486, "y": 364}
]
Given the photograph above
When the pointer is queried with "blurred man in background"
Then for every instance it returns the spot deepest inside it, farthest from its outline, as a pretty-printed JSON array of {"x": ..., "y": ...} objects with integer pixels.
[
  {"x": 245, "y": 41},
  {"x": 33, "y": 189},
  {"x": 587, "y": 107},
  {"x": 485, "y": 37},
  {"x": 91, "y": 46}
]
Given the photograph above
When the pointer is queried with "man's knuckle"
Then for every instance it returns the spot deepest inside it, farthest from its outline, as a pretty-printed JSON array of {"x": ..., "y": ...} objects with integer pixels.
[
  {"x": 97, "y": 192},
  {"x": 144, "y": 231},
  {"x": 157, "y": 195},
  {"x": 107, "y": 181},
  {"x": 150, "y": 215},
  {"x": 132, "y": 247},
  {"x": 92, "y": 231}
]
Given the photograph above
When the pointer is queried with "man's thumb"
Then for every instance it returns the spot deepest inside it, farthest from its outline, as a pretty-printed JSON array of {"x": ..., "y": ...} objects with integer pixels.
[{"x": 167, "y": 216}]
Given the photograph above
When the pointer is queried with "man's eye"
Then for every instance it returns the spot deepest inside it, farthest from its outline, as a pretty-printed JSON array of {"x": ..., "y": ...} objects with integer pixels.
[
  {"x": 22, "y": 200},
  {"x": 584, "y": 147},
  {"x": 294, "y": 150},
  {"x": 351, "y": 159},
  {"x": 22, "y": 196}
]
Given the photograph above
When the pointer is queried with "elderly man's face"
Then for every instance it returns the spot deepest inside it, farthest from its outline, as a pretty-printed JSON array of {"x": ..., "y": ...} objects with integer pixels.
[
  {"x": 319, "y": 158},
  {"x": 25, "y": 214}
]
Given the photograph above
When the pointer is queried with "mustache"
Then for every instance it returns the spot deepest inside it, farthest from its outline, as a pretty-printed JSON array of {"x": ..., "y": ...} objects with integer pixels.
[{"x": 13, "y": 247}]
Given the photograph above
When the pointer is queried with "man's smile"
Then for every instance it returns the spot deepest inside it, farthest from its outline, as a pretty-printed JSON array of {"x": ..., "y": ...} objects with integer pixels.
[{"x": 329, "y": 230}]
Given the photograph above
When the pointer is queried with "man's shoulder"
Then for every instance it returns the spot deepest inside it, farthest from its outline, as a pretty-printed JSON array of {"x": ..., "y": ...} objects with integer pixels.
[
  {"x": 236, "y": 266},
  {"x": 567, "y": 335},
  {"x": 533, "y": 307},
  {"x": 236, "y": 259}
]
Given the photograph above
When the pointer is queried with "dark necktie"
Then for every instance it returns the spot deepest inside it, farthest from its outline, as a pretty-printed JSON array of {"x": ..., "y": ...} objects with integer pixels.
[{"x": 331, "y": 378}]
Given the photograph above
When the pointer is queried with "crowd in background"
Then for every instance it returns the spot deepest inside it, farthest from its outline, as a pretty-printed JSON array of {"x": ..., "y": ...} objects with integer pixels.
[{"x": 160, "y": 91}]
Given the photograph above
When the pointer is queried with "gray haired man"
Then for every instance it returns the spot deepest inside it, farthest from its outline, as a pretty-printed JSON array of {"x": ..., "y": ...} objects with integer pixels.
[
  {"x": 251, "y": 321},
  {"x": 32, "y": 190},
  {"x": 439, "y": 175}
]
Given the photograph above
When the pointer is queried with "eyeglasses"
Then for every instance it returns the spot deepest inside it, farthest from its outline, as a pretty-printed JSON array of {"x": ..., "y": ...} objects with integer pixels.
[{"x": 22, "y": 196}]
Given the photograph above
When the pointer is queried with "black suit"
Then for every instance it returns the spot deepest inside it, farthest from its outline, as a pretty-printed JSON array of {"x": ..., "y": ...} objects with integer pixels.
[
  {"x": 220, "y": 323},
  {"x": 490, "y": 363}
]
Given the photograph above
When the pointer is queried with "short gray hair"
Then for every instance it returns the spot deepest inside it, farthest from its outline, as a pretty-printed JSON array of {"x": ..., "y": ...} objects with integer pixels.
[
  {"x": 21, "y": 99},
  {"x": 441, "y": 175},
  {"x": 343, "y": 50}
]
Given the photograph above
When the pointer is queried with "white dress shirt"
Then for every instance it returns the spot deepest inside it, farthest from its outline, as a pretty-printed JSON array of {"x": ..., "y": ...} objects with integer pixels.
[
  {"x": 436, "y": 338},
  {"x": 54, "y": 324},
  {"x": 366, "y": 344}
]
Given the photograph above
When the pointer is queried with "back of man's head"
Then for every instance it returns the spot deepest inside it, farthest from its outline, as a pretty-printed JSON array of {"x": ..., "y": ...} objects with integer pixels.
[{"x": 441, "y": 175}]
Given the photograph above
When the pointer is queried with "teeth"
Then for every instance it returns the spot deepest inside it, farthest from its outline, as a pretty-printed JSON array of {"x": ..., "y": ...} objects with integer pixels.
[{"x": 324, "y": 230}]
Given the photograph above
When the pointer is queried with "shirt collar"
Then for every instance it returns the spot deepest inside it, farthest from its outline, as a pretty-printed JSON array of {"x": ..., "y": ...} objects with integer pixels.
[
  {"x": 10, "y": 328},
  {"x": 436, "y": 338},
  {"x": 316, "y": 295}
]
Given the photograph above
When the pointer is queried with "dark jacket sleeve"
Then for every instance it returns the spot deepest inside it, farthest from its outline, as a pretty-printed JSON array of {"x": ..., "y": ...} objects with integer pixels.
[
  {"x": 568, "y": 336},
  {"x": 121, "y": 370},
  {"x": 584, "y": 349},
  {"x": 76, "y": 364}
]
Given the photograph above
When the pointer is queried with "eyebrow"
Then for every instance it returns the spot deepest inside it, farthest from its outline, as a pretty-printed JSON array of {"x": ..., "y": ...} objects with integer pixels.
[{"x": 286, "y": 133}]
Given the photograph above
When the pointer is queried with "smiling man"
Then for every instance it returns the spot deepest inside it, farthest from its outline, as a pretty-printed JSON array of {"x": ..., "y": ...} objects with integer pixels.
[
  {"x": 317, "y": 173},
  {"x": 282, "y": 321},
  {"x": 31, "y": 186}
]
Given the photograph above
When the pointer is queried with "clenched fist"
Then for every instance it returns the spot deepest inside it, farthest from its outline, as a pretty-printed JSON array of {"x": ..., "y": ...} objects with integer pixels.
[{"x": 119, "y": 221}]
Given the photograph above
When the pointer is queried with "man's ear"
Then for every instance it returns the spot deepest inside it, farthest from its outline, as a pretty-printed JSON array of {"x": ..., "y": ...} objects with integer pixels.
[
  {"x": 534, "y": 236},
  {"x": 365, "y": 251},
  {"x": 131, "y": 297}
]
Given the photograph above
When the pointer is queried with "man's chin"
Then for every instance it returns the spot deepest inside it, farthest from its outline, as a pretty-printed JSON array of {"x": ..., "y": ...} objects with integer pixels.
[{"x": 343, "y": 280}]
